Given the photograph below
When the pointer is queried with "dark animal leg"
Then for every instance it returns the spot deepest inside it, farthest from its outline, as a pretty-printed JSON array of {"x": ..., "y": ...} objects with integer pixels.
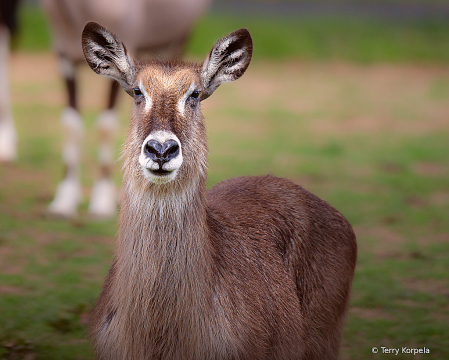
[{"x": 68, "y": 194}]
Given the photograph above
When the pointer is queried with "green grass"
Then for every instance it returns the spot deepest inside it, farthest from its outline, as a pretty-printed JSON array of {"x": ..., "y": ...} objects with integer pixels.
[
  {"x": 316, "y": 38},
  {"x": 359, "y": 40},
  {"x": 390, "y": 182},
  {"x": 33, "y": 30}
]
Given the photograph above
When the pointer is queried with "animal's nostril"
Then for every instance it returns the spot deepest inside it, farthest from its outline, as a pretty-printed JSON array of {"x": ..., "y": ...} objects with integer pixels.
[
  {"x": 161, "y": 153},
  {"x": 153, "y": 149},
  {"x": 170, "y": 150}
]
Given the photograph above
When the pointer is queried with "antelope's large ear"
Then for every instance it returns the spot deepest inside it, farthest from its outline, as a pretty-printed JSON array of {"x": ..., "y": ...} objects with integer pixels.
[
  {"x": 106, "y": 55},
  {"x": 227, "y": 61}
]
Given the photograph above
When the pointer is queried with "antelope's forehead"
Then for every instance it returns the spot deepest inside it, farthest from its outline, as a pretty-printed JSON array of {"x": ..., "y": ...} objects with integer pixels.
[{"x": 175, "y": 82}]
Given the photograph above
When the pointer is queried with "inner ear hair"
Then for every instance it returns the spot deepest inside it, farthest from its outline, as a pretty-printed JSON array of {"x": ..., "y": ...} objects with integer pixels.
[
  {"x": 107, "y": 55},
  {"x": 227, "y": 61}
]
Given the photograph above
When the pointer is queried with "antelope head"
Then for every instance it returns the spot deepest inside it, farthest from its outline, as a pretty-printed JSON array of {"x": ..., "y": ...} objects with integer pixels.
[{"x": 166, "y": 142}]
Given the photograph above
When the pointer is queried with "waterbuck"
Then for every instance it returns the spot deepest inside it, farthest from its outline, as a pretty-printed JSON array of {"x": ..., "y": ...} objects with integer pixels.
[{"x": 255, "y": 268}]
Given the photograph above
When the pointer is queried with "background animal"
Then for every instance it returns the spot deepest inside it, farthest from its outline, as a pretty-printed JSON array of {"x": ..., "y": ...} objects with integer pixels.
[
  {"x": 8, "y": 136},
  {"x": 151, "y": 27},
  {"x": 256, "y": 268}
]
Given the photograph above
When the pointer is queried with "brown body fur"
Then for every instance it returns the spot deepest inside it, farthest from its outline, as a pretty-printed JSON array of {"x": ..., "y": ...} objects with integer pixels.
[{"x": 256, "y": 268}]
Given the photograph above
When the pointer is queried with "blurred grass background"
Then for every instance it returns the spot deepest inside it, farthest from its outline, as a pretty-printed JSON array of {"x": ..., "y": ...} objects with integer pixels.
[
  {"x": 313, "y": 37},
  {"x": 354, "y": 108}
]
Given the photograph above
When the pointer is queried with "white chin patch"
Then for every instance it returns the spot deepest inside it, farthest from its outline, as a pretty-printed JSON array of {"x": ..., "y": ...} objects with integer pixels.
[
  {"x": 151, "y": 169},
  {"x": 159, "y": 179}
]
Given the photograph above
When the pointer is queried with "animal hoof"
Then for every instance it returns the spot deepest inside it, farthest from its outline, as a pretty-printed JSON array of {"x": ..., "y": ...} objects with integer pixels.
[
  {"x": 103, "y": 203},
  {"x": 68, "y": 196},
  {"x": 8, "y": 141}
]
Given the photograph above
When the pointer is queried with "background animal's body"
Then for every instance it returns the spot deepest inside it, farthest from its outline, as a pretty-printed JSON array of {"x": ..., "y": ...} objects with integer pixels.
[
  {"x": 256, "y": 268},
  {"x": 145, "y": 25},
  {"x": 150, "y": 28}
]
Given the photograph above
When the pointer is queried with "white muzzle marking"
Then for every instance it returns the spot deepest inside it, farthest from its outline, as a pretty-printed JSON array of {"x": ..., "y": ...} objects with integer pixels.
[{"x": 149, "y": 166}]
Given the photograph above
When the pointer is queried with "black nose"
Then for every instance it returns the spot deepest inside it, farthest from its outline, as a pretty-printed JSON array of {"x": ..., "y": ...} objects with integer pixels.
[{"x": 161, "y": 153}]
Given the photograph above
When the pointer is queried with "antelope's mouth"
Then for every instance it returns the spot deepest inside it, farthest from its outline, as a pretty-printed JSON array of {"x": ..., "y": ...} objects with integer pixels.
[{"x": 160, "y": 172}]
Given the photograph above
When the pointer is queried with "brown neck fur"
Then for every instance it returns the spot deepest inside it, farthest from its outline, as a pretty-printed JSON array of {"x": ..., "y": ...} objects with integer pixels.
[{"x": 163, "y": 264}]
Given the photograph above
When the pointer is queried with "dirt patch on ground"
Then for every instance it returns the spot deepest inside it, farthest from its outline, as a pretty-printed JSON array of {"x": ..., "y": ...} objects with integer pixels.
[
  {"x": 338, "y": 98},
  {"x": 370, "y": 314},
  {"x": 346, "y": 98},
  {"x": 384, "y": 242},
  {"x": 10, "y": 290},
  {"x": 38, "y": 74},
  {"x": 7, "y": 266},
  {"x": 430, "y": 169},
  {"x": 428, "y": 286},
  {"x": 441, "y": 238},
  {"x": 439, "y": 198}
]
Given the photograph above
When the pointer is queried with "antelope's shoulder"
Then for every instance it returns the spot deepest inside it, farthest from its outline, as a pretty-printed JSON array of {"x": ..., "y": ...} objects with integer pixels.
[
  {"x": 260, "y": 203},
  {"x": 271, "y": 203},
  {"x": 257, "y": 190}
]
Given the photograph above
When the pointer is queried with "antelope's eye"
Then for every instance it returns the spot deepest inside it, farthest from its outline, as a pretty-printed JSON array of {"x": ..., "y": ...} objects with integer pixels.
[
  {"x": 137, "y": 91},
  {"x": 195, "y": 94}
]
